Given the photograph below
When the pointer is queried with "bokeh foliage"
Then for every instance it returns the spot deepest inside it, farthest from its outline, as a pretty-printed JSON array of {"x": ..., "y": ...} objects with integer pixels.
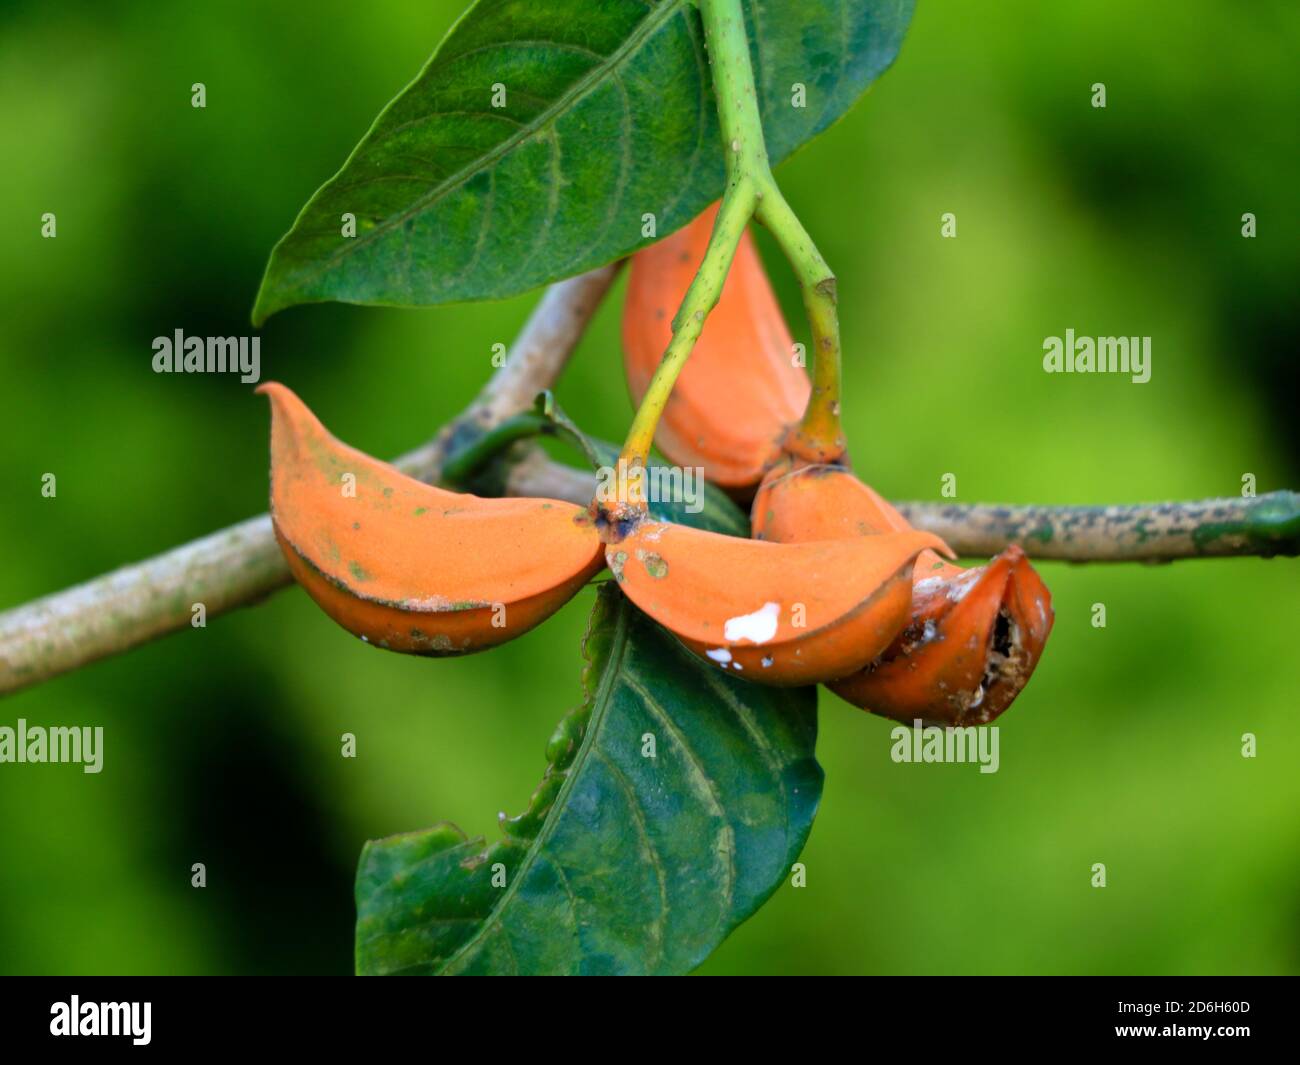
[{"x": 222, "y": 744}]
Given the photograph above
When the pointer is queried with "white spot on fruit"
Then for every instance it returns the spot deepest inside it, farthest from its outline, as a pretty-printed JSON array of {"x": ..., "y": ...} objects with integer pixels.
[{"x": 758, "y": 627}]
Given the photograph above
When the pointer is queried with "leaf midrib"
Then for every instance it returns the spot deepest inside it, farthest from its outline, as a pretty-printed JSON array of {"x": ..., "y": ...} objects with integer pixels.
[
  {"x": 600, "y": 704},
  {"x": 652, "y": 22}
]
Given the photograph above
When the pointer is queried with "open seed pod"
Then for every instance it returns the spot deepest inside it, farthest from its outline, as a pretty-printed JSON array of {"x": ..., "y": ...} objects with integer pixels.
[
  {"x": 974, "y": 635},
  {"x": 740, "y": 388},
  {"x": 410, "y": 567},
  {"x": 780, "y": 614}
]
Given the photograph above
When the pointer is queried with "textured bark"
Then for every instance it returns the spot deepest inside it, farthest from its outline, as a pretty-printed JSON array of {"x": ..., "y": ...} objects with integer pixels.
[
  {"x": 1149, "y": 532},
  {"x": 242, "y": 564}
]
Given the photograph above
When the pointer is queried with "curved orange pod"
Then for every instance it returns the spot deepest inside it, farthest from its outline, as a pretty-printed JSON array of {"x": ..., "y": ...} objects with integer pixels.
[
  {"x": 740, "y": 388},
  {"x": 410, "y": 567},
  {"x": 780, "y": 614},
  {"x": 974, "y": 635},
  {"x": 801, "y": 502}
]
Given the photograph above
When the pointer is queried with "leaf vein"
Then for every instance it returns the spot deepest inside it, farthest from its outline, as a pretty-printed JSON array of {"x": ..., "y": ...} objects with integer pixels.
[
  {"x": 701, "y": 67},
  {"x": 552, "y": 202},
  {"x": 761, "y": 743},
  {"x": 624, "y": 166},
  {"x": 648, "y": 25},
  {"x": 534, "y": 42},
  {"x": 600, "y": 704},
  {"x": 569, "y": 895},
  {"x": 656, "y": 860},
  {"x": 485, "y": 226},
  {"x": 726, "y": 833}
]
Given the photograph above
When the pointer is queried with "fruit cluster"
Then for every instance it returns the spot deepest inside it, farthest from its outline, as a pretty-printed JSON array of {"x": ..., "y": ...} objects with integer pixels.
[{"x": 834, "y": 587}]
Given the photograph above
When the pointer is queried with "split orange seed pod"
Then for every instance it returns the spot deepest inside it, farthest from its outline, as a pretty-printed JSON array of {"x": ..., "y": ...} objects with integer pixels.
[
  {"x": 779, "y": 614},
  {"x": 974, "y": 636},
  {"x": 741, "y": 388},
  {"x": 410, "y": 567}
]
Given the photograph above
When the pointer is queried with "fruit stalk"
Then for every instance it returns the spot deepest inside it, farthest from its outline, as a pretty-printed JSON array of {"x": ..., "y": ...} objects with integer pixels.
[
  {"x": 750, "y": 190},
  {"x": 701, "y": 297},
  {"x": 469, "y": 460},
  {"x": 819, "y": 437},
  {"x": 748, "y": 170}
]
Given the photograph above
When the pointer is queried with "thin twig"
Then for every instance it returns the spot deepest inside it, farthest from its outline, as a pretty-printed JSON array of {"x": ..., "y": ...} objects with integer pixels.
[
  {"x": 1145, "y": 532},
  {"x": 242, "y": 564},
  {"x": 1150, "y": 532}
]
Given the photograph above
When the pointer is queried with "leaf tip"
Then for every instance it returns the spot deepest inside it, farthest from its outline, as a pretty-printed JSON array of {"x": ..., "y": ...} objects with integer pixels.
[{"x": 264, "y": 306}]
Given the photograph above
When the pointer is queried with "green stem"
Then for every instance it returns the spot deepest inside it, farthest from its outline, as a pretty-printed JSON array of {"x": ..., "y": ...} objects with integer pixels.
[
  {"x": 747, "y": 171},
  {"x": 750, "y": 189},
  {"x": 819, "y": 436},
  {"x": 701, "y": 297},
  {"x": 466, "y": 461}
]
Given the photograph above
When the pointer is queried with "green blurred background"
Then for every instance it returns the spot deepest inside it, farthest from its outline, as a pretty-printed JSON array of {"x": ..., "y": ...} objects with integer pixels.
[{"x": 222, "y": 745}]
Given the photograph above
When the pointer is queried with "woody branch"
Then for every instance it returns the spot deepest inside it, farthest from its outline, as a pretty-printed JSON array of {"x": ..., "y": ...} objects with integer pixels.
[{"x": 242, "y": 564}]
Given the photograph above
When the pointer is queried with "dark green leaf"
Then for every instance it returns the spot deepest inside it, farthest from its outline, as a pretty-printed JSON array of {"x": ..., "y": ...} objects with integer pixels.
[
  {"x": 716, "y": 512},
  {"x": 596, "y": 452},
  {"x": 482, "y": 465},
  {"x": 608, "y": 115},
  {"x": 622, "y": 863}
]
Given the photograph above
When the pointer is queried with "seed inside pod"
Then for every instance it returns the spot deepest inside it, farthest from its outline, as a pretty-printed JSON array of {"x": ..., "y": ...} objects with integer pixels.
[{"x": 974, "y": 635}]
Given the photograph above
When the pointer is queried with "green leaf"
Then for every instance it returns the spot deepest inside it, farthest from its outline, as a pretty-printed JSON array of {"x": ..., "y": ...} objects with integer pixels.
[
  {"x": 480, "y": 463},
  {"x": 716, "y": 511},
  {"x": 622, "y": 863},
  {"x": 609, "y": 115}
]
